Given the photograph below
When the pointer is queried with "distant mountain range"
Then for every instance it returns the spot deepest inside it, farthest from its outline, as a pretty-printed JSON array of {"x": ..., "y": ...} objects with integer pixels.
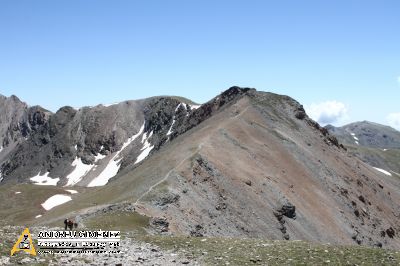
[
  {"x": 375, "y": 144},
  {"x": 244, "y": 164},
  {"x": 367, "y": 134}
]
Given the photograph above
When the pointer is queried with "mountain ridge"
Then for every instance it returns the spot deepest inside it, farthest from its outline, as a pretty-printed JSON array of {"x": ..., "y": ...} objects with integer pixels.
[
  {"x": 244, "y": 164},
  {"x": 100, "y": 131}
]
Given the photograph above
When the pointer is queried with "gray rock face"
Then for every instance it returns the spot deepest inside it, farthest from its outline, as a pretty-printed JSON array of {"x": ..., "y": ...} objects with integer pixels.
[
  {"x": 34, "y": 140},
  {"x": 38, "y": 142},
  {"x": 17, "y": 121}
]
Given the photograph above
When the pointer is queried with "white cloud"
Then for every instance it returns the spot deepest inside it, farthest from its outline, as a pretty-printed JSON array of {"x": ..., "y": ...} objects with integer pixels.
[
  {"x": 328, "y": 112},
  {"x": 393, "y": 120}
]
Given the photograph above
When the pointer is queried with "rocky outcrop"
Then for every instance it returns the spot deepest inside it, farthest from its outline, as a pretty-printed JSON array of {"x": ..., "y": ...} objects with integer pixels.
[
  {"x": 284, "y": 209},
  {"x": 160, "y": 224}
]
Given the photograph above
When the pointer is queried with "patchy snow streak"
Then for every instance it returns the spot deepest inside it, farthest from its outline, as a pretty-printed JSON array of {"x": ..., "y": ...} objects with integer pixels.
[
  {"x": 38, "y": 216},
  {"x": 173, "y": 119},
  {"x": 383, "y": 171},
  {"x": 1, "y": 148},
  {"x": 44, "y": 180},
  {"x": 146, "y": 147},
  {"x": 110, "y": 104},
  {"x": 79, "y": 172},
  {"x": 71, "y": 191},
  {"x": 18, "y": 192},
  {"x": 355, "y": 138},
  {"x": 113, "y": 165},
  {"x": 170, "y": 129},
  {"x": 194, "y": 107},
  {"x": 55, "y": 200}
]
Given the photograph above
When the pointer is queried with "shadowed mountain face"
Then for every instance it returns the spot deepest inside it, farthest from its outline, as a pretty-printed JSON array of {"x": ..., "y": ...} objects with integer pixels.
[
  {"x": 77, "y": 146},
  {"x": 17, "y": 123},
  {"x": 375, "y": 144},
  {"x": 246, "y": 164},
  {"x": 91, "y": 145}
]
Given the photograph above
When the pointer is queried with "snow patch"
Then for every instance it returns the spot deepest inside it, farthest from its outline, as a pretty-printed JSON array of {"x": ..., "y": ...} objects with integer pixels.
[
  {"x": 384, "y": 149},
  {"x": 1, "y": 148},
  {"x": 18, "y": 192},
  {"x": 71, "y": 191},
  {"x": 38, "y": 216},
  {"x": 114, "y": 164},
  {"x": 110, "y": 171},
  {"x": 170, "y": 129},
  {"x": 44, "y": 180},
  {"x": 194, "y": 107},
  {"x": 76, "y": 147},
  {"x": 173, "y": 120},
  {"x": 99, "y": 157},
  {"x": 109, "y": 104},
  {"x": 383, "y": 171},
  {"x": 146, "y": 147},
  {"x": 356, "y": 140},
  {"x": 354, "y": 136},
  {"x": 177, "y": 108},
  {"x": 55, "y": 200},
  {"x": 79, "y": 172}
]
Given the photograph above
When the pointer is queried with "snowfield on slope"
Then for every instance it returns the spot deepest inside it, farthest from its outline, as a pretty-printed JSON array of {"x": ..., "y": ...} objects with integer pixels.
[
  {"x": 79, "y": 172},
  {"x": 113, "y": 165},
  {"x": 55, "y": 200},
  {"x": 44, "y": 180},
  {"x": 146, "y": 147}
]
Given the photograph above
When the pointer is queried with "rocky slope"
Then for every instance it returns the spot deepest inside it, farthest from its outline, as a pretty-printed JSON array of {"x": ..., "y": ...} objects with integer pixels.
[
  {"x": 244, "y": 164},
  {"x": 261, "y": 167}
]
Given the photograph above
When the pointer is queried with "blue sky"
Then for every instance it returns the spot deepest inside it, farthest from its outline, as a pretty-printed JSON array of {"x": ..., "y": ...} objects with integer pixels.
[{"x": 341, "y": 59}]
